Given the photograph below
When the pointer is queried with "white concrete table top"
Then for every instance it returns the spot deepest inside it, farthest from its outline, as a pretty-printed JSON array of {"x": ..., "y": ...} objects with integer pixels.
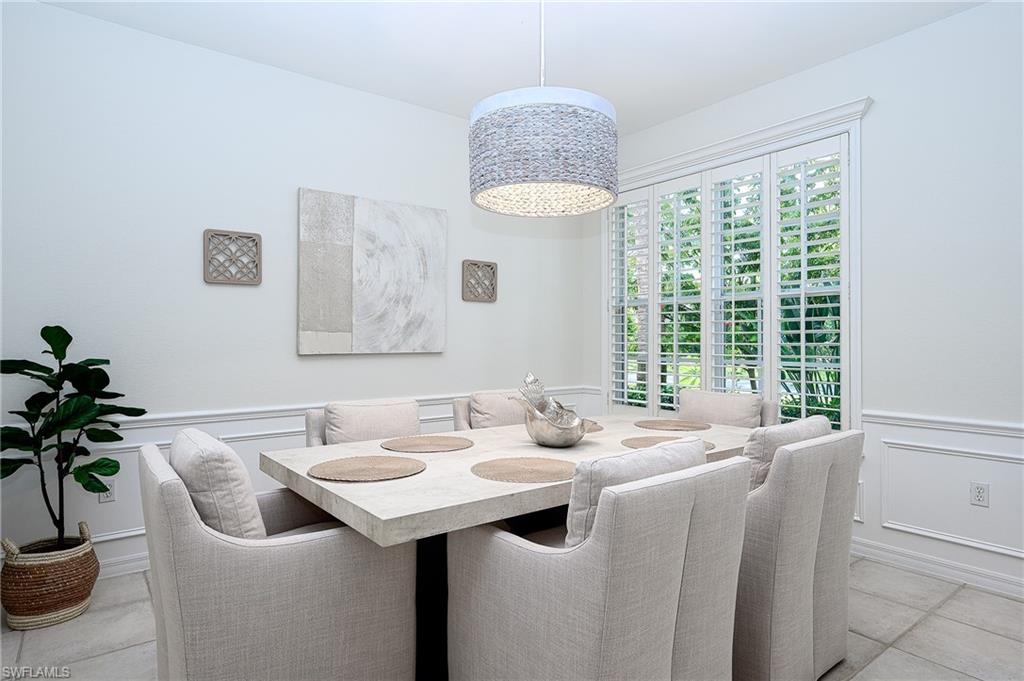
[{"x": 447, "y": 496}]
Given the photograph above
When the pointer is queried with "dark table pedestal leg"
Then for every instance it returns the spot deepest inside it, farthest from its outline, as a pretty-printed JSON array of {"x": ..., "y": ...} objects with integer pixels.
[{"x": 432, "y": 609}]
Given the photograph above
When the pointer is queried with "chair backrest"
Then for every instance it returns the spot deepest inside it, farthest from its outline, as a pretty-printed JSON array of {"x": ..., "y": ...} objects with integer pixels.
[
  {"x": 657, "y": 578},
  {"x": 707, "y": 598},
  {"x": 166, "y": 507},
  {"x": 494, "y": 410},
  {"x": 363, "y": 420},
  {"x": 791, "y": 617},
  {"x": 730, "y": 409}
]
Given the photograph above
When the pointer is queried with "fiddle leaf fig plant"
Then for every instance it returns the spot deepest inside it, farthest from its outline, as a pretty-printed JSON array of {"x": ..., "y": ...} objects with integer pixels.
[{"x": 61, "y": 418}]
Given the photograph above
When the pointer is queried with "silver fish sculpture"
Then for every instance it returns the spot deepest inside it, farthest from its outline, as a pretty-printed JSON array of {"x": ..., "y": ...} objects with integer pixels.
[{"x": 548, "y": 422}]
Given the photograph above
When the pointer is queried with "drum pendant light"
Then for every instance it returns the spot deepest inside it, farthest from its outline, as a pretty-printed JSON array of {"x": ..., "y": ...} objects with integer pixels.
[{"x": 543, "y": 151}]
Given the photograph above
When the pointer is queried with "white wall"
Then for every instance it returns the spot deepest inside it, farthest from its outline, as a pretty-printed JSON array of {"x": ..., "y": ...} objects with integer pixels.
[
  {"x": 121, "y": 147},
  {"x": 942, "y": 262}
]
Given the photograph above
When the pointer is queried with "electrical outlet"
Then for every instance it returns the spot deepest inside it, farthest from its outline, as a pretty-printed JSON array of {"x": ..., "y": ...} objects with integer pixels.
[
  {"x": 109, "y": 495},
  {"x": 979, "y": 494}
]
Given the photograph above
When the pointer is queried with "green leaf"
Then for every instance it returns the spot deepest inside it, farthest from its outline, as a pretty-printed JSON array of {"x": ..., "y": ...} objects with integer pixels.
[
  {"x": 9, "y": 466},
  {"x": 29, "y": 416},
  {"x": 72, "y": 414},
  {"x": 98, "y": 395},
  {"x": 16, "y": 438},
  {"x": 38, "y": 401},
  {"x": 102, "y": 435},
  {"x": 93, "y": 362},
  {"x": 89, "y": 481},
  {"x": 87, "y": 381},
  {"x": 58, "y": 339},
  {"x": 108, "y": 409},
  {"x": 102, "y": 466},
  {"x": 85, "y": 475},
  {"x": 23, "y": 366}
]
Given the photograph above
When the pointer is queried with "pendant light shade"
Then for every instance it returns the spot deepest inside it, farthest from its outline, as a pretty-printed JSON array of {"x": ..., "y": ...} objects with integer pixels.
[{"x": 543, "y": 152}]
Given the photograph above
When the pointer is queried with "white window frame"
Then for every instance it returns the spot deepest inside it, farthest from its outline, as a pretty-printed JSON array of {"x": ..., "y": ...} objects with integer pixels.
[{"x": 836, "y": 121}]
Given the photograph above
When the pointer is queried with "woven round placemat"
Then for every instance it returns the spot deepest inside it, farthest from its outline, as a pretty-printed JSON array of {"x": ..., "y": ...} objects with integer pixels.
[
  {"x": 424, "y": 444},
  {"x": 671, "y": 424},
  {"x": 645, "y": 441},
  {"x": 366, "y": 468},
  {"x": 524, "y": 469},
  {"x": 594, "y": 427}
]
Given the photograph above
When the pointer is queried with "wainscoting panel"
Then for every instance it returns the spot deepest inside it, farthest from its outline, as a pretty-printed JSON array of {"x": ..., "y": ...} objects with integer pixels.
[
  {"x": 915, "y": 505},
  {"x": 938, "y": 504},
  {"x": 118, "y": 529}
]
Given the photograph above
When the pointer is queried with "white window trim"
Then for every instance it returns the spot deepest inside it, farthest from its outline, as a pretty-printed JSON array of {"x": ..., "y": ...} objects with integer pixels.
[{"x": 837, "y": 120}]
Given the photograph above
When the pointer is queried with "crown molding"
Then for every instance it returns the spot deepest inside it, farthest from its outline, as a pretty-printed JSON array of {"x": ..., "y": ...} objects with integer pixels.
[{"x": 748, "y": 144}]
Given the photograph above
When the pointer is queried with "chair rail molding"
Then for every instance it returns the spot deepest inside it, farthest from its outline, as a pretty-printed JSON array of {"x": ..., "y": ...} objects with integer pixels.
[{"x": 975, "y": 426}]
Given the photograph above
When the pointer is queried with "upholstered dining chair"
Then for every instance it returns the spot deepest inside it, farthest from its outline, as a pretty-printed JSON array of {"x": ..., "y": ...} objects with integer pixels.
[
  {"x": 791, "y": 602},
  {"x": 289, "y": 595},
  {"x": 487, "y": 409},
  {"x": 607, "y": 607},
  {"x": 727, "y": 409},
  {"x": 361, "y": 420}
]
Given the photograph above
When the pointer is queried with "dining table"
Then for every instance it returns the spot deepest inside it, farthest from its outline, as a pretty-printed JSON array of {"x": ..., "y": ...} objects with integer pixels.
[{"x": 447, "y": 496}]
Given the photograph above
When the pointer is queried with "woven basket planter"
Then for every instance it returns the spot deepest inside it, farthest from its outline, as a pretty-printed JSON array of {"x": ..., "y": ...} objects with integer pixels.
[{"x": 40, "y": 586}]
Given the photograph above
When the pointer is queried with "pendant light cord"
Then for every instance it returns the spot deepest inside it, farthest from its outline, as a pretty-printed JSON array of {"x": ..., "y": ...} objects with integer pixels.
[{"x": 541, "y": 3}]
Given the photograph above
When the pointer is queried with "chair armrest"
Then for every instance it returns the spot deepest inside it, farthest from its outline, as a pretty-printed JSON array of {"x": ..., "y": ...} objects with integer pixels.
[
  {"x": 460, "y": 414},
  {"x": 351, "y": 600},
  {"x": 284, "y": 510},
  {"x": 510, "y": 597}
]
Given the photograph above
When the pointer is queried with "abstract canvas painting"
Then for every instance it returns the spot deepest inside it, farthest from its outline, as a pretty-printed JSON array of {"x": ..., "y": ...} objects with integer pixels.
[{"x": 371, "y": 275}]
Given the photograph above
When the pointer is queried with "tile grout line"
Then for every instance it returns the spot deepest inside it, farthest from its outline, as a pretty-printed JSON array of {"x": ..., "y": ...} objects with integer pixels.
[
  {"x": 918, "y": 621},
  {"x": 887, "y": 646},
  {"x": 929, "y": 613},
  {"x": 934, "y": 611},
  {"x": 109, "y": 652},
  {"x": 938, "y": 664}
]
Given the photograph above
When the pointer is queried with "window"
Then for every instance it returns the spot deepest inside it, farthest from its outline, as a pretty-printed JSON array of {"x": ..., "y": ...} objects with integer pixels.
[
  {"x": 679, "y": 249},
  {"x": 748, "y": 290},
  {"x": 809, "y": 291},
  {"x": 628, "y": 313}
]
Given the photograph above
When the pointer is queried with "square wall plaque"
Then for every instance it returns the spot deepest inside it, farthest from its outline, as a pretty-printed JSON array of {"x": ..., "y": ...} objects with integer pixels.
[
  {"x": 232, "y": 257},
  {"x": 479, "y": 281}
]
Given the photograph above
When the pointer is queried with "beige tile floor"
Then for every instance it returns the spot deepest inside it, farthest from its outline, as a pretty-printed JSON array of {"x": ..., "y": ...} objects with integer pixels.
[{"x": 903, "y": 627}]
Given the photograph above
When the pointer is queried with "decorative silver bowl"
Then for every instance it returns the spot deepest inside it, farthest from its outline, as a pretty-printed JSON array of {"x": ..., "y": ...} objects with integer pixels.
[{"x": 548, "y": 422}]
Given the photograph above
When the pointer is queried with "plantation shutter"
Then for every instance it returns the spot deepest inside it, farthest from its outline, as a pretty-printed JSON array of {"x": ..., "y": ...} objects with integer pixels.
[
  {"x": 679, "y": 304},
  {"x": 629, "y": 253},
  {"x": 809, "y": 293},
  {"x": 737, "y": 295},
  {"x": 735, "y": 279}
]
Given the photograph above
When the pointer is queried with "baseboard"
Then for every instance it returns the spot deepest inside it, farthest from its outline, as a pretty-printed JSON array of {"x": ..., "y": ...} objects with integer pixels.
[
  {"x": 939, "y": 567},
  {"x": 123, "y": 565}
]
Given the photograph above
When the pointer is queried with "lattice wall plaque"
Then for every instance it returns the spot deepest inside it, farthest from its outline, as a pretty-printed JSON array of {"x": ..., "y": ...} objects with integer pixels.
[
  {"x": 479, "y": 281},
  {"x": 232, "y": 257}
]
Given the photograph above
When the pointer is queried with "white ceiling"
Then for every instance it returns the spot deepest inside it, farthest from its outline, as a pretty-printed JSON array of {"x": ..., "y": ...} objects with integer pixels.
[{"x": 654, "y": 61}]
